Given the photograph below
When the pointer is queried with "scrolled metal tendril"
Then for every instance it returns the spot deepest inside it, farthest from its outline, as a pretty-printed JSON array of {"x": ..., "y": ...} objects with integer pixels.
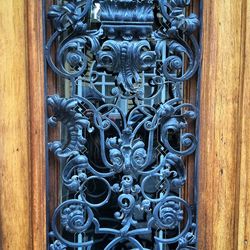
[{"x": 122, "y": 139}]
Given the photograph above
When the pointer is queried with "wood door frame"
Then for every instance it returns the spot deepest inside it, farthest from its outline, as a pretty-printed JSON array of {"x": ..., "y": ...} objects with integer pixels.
[
  {"x": 224, "y": 128},
  {"x": 219, "y": 165},
  {"x": 22, "y": 126},
  {"x": 37, "y": 98},
  {"x": 224, "y": 122}
]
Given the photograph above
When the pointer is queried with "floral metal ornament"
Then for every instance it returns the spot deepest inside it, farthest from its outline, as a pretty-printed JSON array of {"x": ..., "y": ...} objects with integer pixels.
[{"x": 122, "y": 153}]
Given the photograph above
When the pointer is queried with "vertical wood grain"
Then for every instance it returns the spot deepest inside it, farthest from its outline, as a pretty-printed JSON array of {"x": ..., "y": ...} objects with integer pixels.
[
  {"x": 190, "y": 96},
  {"x": 37, "y": 123},
  {"x": 223, "y": 204},
  {"x": 15, "y": 182},
  {"x": 53, "y": 87},
  {"x": 243, "y": 188}
]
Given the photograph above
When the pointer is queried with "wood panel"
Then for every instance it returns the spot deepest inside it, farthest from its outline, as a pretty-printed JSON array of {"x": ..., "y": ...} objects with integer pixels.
[
  {"x": 243, "y": 185},
  {"x": 37, "y": 123},
  {"x": 22, "y": 130},
  {"x": 15, "y": 182},
  {"x": 190, "y": 94},
  {"x": 224, "y": 124},
  {"x": 224, "y": 208}
]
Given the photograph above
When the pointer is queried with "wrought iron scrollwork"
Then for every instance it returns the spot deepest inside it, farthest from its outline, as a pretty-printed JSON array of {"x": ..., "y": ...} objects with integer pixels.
[{"x": 140, "y": 147}]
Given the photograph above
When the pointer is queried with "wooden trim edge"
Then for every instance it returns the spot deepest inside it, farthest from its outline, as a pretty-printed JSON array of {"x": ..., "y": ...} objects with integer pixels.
[
  {"x": 37, "y": 123},
  {"x": 224, "y": 106}
]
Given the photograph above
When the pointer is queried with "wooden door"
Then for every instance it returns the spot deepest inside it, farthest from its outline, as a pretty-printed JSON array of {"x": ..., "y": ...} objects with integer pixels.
[{"x": 224, "y": 127}]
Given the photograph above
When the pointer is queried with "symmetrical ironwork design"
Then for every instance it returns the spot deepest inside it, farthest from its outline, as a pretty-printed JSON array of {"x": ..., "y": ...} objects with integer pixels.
[{"x": 136, "y": 162}]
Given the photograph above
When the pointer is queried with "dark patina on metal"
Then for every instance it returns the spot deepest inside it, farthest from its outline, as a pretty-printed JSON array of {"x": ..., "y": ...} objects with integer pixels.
[{"x": 141, "y": 170}]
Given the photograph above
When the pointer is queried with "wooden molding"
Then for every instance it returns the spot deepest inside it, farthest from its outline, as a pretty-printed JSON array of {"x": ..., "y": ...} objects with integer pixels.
[{"x": 37, "y": 123}]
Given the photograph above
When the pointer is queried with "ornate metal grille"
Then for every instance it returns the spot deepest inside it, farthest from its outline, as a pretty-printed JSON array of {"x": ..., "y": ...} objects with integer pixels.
[{"x": 121, "y": 66}]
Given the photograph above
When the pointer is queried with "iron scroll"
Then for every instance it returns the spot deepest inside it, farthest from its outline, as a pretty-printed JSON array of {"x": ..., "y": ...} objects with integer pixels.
[{"x": 124, "y": 139}]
